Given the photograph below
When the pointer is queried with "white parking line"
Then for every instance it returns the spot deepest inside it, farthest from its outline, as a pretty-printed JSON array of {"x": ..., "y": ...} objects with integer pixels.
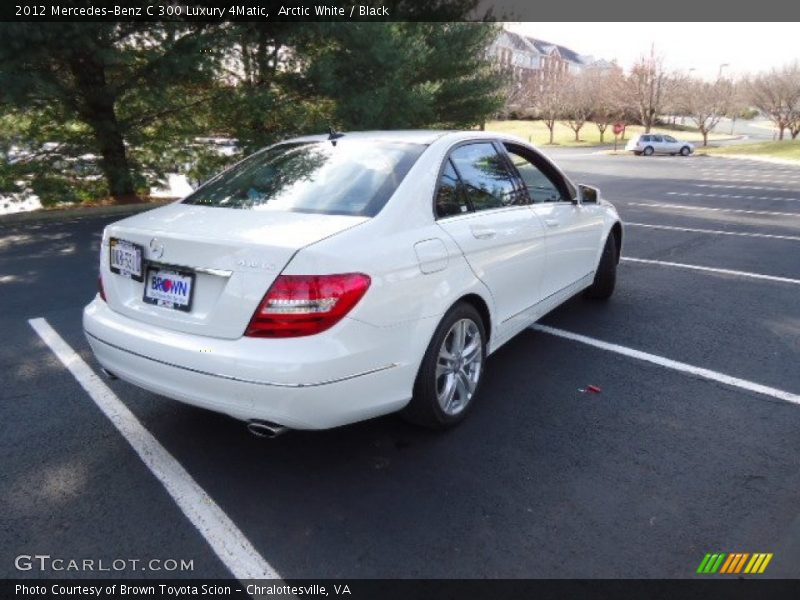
[
  {"x": 781, "y": 179},
  {"x": 714, "y": 209},
  {"x": 753, "y": 170},
  {"x": 225, "y": 539},
  {"x": 771, "y": 236},
  {"x": 741, "y": 187},
  {"x": 741, "y": 197},
  {"x": 752, "y": 166},
  {"x": 748, "y": 170},
  {"x": 672, "y": 364},
  {"x": 646, "y": 261}
]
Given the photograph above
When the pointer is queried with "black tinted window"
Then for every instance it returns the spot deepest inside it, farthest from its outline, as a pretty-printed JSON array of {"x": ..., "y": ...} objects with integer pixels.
[
  {"x": 353, "y": 177},
  {"x": 449, "y": 200},
  {"x": 540, "y": 187},
  {"x": 485, "y": 178}
]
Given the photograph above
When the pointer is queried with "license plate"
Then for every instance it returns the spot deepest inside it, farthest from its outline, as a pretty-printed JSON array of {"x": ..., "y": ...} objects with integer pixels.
[
  {"x": 169, "y": 288},
  {"x": 125, "y": 258}
]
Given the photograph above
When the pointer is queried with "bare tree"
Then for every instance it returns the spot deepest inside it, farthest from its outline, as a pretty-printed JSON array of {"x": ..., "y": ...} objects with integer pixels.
[
  {"x": 794, "y": 125},
  {"x": 792, "y": 82},
  {"x": 646, "y": 87},
  {"x": 520, "y": 95},
  {"x": 605, "y": 88},
  {"x": 705, "y": 103},
  {"x": 739, "y": 104},
  {"x": 550, "y": 104},
  {"x": 674, "y": 101},
  {"x": 777, "y": 95},
  {"x": 578, "y": 103}
]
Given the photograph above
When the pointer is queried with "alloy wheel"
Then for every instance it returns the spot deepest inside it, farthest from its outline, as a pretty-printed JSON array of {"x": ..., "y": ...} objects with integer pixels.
[{"x": 458, "y": 366}]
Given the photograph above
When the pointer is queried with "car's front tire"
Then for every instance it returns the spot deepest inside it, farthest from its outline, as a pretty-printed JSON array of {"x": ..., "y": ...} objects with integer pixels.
[
  {"x": 605, "y": 279},
  {"x": 451, "y": 371},
  {"x": 685, "y": 151}
]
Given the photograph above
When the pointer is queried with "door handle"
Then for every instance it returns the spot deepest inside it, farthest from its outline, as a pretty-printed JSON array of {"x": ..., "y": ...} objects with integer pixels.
[
  {"x": 551, "y": 222},
  {"x": 482, "y": 233}
]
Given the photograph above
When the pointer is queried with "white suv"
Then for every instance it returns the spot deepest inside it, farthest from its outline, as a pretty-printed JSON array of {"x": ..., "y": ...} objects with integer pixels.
[{"x": 651, "y": 143}]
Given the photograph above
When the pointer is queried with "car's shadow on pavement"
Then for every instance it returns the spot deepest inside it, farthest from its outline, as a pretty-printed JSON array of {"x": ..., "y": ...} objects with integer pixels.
[{"x": 538, "y": 474}]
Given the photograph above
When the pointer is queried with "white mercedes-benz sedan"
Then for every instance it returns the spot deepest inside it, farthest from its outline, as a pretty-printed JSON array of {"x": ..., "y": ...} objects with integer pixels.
[{"x": 329, "y": 279}]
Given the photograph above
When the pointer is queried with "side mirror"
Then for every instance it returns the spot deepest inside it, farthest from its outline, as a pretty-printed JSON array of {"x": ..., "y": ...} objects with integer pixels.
[{"x": 588, "y": 194}]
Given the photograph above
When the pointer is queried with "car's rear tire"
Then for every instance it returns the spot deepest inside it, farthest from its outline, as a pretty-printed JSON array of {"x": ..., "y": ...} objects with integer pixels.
[
  {"x": 648, "y": 151},
  {"x": 685, "y": 151},
  {"x": 605, "y": 279},
  {"x": 450, "y": 375}
]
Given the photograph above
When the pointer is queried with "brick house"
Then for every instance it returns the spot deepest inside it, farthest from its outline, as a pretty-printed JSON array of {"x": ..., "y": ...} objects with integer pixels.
[{"x": 532, "y": 60}]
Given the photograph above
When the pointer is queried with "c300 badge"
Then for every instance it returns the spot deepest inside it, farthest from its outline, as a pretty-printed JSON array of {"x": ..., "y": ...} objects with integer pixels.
[{"x": 255, "y": 264}]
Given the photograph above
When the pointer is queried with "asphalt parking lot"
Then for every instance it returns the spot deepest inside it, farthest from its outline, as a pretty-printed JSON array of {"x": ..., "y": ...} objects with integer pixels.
[{"x": 640, "y": 480}]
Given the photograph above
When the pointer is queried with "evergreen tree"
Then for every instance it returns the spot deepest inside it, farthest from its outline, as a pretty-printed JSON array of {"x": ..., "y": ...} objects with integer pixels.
[
  {"x": 401, "y": 75},
  {"x": 118, "y": 82},
  {"x": 137, "y": 95}
]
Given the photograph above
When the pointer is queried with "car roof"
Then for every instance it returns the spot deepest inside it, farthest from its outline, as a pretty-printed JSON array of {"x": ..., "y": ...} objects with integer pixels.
[{"x": 412, "y": 136}]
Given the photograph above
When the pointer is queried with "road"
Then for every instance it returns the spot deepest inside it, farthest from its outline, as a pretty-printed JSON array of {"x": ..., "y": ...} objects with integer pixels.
[
  {"x": 758, "y": 130},
  {"x": 543, "y": 480}
]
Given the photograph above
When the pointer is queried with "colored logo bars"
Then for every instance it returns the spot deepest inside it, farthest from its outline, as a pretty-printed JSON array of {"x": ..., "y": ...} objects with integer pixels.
[{"x": 734, "y": 563}]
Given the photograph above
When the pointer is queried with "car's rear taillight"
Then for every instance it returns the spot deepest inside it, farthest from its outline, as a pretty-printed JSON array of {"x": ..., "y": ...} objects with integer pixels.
[
  {"x": 298, "y": 305},
  {"x": 100, "y": 289}
]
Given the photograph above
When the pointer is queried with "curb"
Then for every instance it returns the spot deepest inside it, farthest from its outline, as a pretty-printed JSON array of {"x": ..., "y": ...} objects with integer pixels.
[
  {"x": 622, "y": 152},
  {"x": 77, "y": 213}
]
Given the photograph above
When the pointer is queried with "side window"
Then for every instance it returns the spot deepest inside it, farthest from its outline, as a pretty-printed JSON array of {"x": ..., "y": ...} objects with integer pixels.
[
  {"x": 449, "y": 199},
  {"x": 670, "y": 139},
  {"x": 540, "y": 187},
  {"x": 485, "y": 178},
  {"x": 658, "y": 138},
  {"x": 646, "y": 138}
]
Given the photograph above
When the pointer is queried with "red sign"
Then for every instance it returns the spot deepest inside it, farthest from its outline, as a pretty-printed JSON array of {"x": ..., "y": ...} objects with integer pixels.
[{"x": 619, "y": 128}]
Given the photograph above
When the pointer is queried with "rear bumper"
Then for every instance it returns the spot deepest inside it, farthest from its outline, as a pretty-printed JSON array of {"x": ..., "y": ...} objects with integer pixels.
[{"x": 352, "y": 372}]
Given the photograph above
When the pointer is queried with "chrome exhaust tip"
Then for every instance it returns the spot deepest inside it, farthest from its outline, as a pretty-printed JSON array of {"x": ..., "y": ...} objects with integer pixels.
[
  {"x": 108, "y": 373},
  {"x": 265, "y": 429}
]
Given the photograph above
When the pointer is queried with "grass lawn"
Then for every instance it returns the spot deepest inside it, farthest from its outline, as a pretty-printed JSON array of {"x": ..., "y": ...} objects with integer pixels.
[
  {"x": 537, "y": 132},
  {"x": 786, "y": 149}
]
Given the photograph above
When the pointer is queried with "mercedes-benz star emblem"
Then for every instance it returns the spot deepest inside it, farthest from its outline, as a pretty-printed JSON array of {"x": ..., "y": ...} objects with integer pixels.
[{"x": 156, "y": 248}]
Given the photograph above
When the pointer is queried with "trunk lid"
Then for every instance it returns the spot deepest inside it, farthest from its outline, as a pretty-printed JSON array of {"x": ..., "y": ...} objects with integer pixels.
[{"x": 233, "y": 254}]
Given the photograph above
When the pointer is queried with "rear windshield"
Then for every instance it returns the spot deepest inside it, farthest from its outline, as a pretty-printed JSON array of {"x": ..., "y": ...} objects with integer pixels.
[{"x": 350, "y": 177}]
